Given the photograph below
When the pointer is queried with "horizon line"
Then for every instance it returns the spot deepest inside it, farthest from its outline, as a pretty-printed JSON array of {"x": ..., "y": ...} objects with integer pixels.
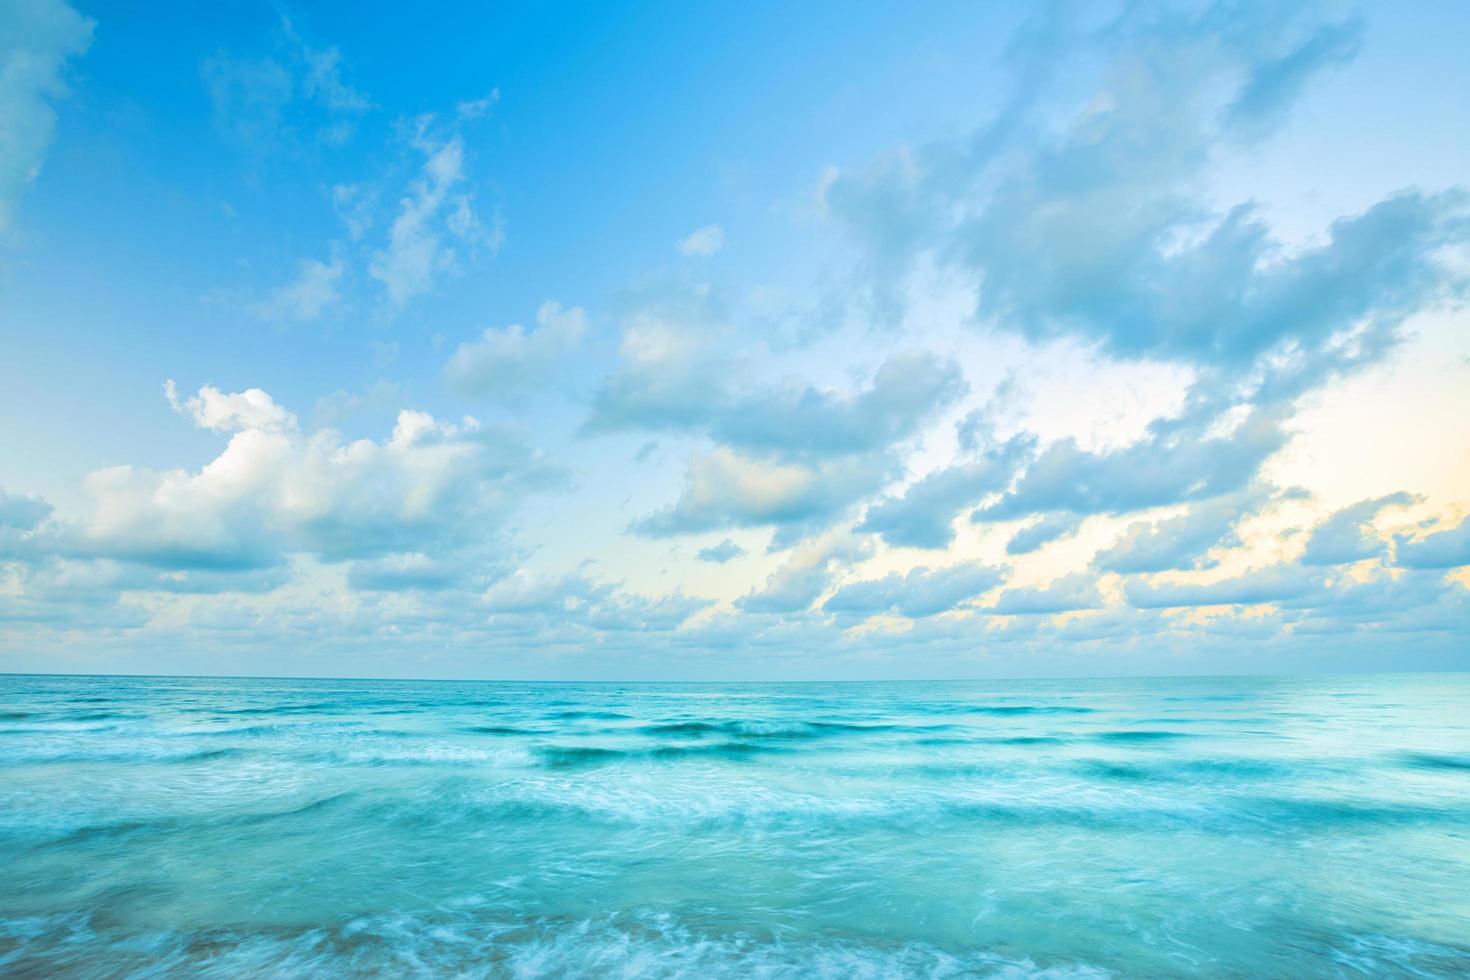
[{"x": 875, "y": 680}]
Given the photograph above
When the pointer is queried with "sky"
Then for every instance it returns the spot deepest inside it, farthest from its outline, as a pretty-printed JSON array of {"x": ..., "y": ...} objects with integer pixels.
[{"x": 717, "y": 341}]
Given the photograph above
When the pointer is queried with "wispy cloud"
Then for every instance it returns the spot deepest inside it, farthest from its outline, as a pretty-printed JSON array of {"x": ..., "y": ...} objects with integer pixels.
[
  {"x": 41, "y": 39},
  {"x": 704, "y": 241},
  {"x": 436, "y": 222}
]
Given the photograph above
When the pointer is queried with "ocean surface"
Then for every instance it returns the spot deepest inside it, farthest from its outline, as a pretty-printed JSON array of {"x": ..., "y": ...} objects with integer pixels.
[{"x": 1285, "y": 827}]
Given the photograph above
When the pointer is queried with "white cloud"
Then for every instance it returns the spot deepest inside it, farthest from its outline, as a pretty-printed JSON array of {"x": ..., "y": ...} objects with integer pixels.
[
  {"x": 704, "y": 241},
  {"x": 726, "y": 489},
  {"x": 674, "y": 366},
  {"x": 509, "y": 363},
  {"x": 575, "y": 600},
  {"x": 1447, "y": 547},
  {"x": 798, "y": 430},
  {"x": 1348, "y": 535},
  {"x": 477, "y": 108},
  {"x": 436, "y": 219},
  {"x": 805, "y": 575},
  {"x": 309, "y": 295},
  {"x": 1068, "y": 593},
  {"x": 919, "y": 593},
  {"x": 431, "y": 488},
  {"x": 37, "y": 38},
  {"x": 726, "y": 550},
  {"x": 1263, "y": 585},
  {"x": 321, "y": 79},
  {"x": 285, "y": 100},
  {"x": 795, "y": 455},
  {"x": 213, "y": 409}
]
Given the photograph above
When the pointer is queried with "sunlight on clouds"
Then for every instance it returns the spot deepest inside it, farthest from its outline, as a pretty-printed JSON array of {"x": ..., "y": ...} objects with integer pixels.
[{"x": 1067, "y": 386}]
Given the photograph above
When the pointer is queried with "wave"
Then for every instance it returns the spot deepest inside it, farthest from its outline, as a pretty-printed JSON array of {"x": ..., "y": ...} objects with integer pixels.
[
  {"x": 782, "y": 730},
  {"x": 1190, "y": 698},
  {"x": 319, "y": 707},
  {"x": 211, "y": 755},
  {"x": 174, "y": 825},
  {"x": 1431, "y": 760},
  {"x": 419, "y": 754},
  {"x": 576, "y": 805},
  {"x": 578, "y": 756},
  {"x": 1140, "y": 735},
  {"x": 283, "y": 728},
  {"x": 1189, "y": 769},
  {"x": 993, "y": 740},
  {"x": 117, "y": 753},
  {"x": 646, "y": 943},
  {"x": 1339, "y": 812},
  {"x": 1029, "y": 709},
  {"x": 575, "y": 756}
]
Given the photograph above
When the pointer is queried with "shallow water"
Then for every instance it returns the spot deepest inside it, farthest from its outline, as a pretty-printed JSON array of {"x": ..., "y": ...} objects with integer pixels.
[{"x": 1153, "y": 827}]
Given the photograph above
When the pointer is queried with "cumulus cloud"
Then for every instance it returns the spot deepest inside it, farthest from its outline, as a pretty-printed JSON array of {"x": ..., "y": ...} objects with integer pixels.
[
  {"x": 805, "y": 575},
  {"x": 1205, "y": 453},
  {"x": 1449, "y": 548},
  {"x": 1034, "y": 536},
  {"x": 430, "y": 489},
  {"x": 726, "y": 550},
  {"x": 905, "y": 391},
  {"x": 508, "y": 364},
  {"x": 22, "y": 513},
  {"x": 673, "y": 370},
  {"x": 726, "y": 489},
  {"x": 1347, "y": 535},
  {"x": 1100, "y": 228},
  {"x": 1068, "y": 593},
  {"x": 416, "y": 570},
  {"x": 923, "y": 515},
  {"x": 1090, "y": 219},
  {"x": 919, "y": 593},
  {"x": 1182, "y": 541},
  {"x": 632, "y": 613},
  {"x": 524, "y": 592},
  {"x": 22, "y": 534},
  {"x": 800, "y": 457},
  {"x": 704, "y": 241},
  {"x": 1085, "y": 210},
  {"x": 237, "y": 412},
  {"x": 577, "y": 600},
  {"x": 1415, "y": 601},
  {"x": 1271, "y": 584},
  {"x": 38, "y": 38},
  {"x": 1178, "y": 461}
]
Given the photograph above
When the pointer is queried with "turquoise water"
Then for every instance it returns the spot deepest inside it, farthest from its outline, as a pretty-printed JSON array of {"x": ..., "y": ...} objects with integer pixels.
[{"x": 1157, "y": 827}]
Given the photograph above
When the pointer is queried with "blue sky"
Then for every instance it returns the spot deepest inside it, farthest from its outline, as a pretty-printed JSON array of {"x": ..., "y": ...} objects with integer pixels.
[{"x": 777, "y": 341}]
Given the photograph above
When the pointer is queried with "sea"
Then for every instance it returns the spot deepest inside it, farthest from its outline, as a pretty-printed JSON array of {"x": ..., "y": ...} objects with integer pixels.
[{"x": 1154, "y": 827}]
